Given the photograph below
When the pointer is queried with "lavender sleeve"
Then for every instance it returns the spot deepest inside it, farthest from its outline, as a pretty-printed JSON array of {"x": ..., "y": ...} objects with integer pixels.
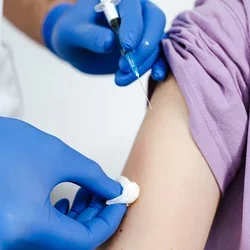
[{"x": 208, "y": 53}]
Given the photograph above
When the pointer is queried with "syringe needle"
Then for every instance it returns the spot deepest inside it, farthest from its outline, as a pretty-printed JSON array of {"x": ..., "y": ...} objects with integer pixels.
[
  {"x": 145, "y": 93},
  {"x": 112, "y": 15}
]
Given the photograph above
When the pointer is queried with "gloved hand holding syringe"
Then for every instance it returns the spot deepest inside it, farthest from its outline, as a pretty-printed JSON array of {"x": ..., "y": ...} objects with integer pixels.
[{"x": 112, "y": 16}]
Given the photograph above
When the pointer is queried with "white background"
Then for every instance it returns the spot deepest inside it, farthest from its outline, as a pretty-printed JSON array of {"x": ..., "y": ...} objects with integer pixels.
[{"x": 90, "y": 113}]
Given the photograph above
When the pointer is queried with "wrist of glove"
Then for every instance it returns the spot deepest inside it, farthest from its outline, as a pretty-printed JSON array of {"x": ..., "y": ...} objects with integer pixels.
[{"x": 50, "y": 21}]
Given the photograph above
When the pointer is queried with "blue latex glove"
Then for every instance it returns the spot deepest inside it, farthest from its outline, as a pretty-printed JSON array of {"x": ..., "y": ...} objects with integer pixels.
[
  {"x": 84, "y": 208},
  {"x": 79, "y": 35},
  {"x": 32, "y": 164}
]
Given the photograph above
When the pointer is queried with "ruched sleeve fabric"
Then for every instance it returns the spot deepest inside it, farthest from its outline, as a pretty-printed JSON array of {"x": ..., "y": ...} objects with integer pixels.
[{"x": 208, "y": 52}]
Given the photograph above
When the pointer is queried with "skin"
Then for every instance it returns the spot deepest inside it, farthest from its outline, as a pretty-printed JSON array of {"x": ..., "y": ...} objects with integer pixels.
[
  {"x": 179, "y": 195},
  {"x": 28, "y": 15}
]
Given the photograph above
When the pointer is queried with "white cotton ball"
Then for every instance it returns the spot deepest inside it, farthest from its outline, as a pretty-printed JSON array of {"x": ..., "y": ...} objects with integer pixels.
[{"x": 129, "y": 194}]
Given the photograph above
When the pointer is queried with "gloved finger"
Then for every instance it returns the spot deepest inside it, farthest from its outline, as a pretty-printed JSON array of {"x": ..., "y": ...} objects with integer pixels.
[
  {"x": 160, "y": 69},
  {"x": 154, "y": 24},
  {"x": 95, "y": 206},
  {"x": 87, "y": 36},
  {"x": 81, "y": 201},
  {"x": 71, "y": 166},
  {"x": 62, "y": 206},
  {"x": 65, "y": 233},
  {"x": 131, "y": 28},
  {"x": 105, "y": 223},
  {"x": 124, "y": 78}
]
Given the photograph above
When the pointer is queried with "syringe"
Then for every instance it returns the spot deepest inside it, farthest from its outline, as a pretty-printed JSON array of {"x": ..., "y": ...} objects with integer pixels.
[{"x": 112, "y": 16}]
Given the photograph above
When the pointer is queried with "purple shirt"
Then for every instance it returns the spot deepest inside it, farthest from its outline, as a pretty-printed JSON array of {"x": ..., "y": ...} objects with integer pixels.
[{"x": 208, "y": 51}]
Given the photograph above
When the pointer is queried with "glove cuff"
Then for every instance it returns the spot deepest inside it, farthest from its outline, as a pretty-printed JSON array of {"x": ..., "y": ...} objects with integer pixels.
[{"x": 50, "y": 21}]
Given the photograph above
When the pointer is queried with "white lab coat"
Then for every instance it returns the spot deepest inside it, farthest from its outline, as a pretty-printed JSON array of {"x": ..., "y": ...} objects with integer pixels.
[{"x": 10, "y": 97}]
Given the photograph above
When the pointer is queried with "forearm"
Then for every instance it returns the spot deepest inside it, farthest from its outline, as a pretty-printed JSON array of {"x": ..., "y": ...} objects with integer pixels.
[
  {"x": 28, "y": 15},
  {"x": 179, "y": 194}
]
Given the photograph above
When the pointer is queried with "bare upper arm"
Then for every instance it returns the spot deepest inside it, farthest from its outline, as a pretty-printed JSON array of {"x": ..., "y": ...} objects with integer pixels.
[{"x": 179, "y": 195}]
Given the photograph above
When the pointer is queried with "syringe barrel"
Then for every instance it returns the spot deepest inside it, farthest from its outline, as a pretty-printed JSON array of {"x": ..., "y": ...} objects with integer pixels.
[{"x": 115, "y": 26}]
